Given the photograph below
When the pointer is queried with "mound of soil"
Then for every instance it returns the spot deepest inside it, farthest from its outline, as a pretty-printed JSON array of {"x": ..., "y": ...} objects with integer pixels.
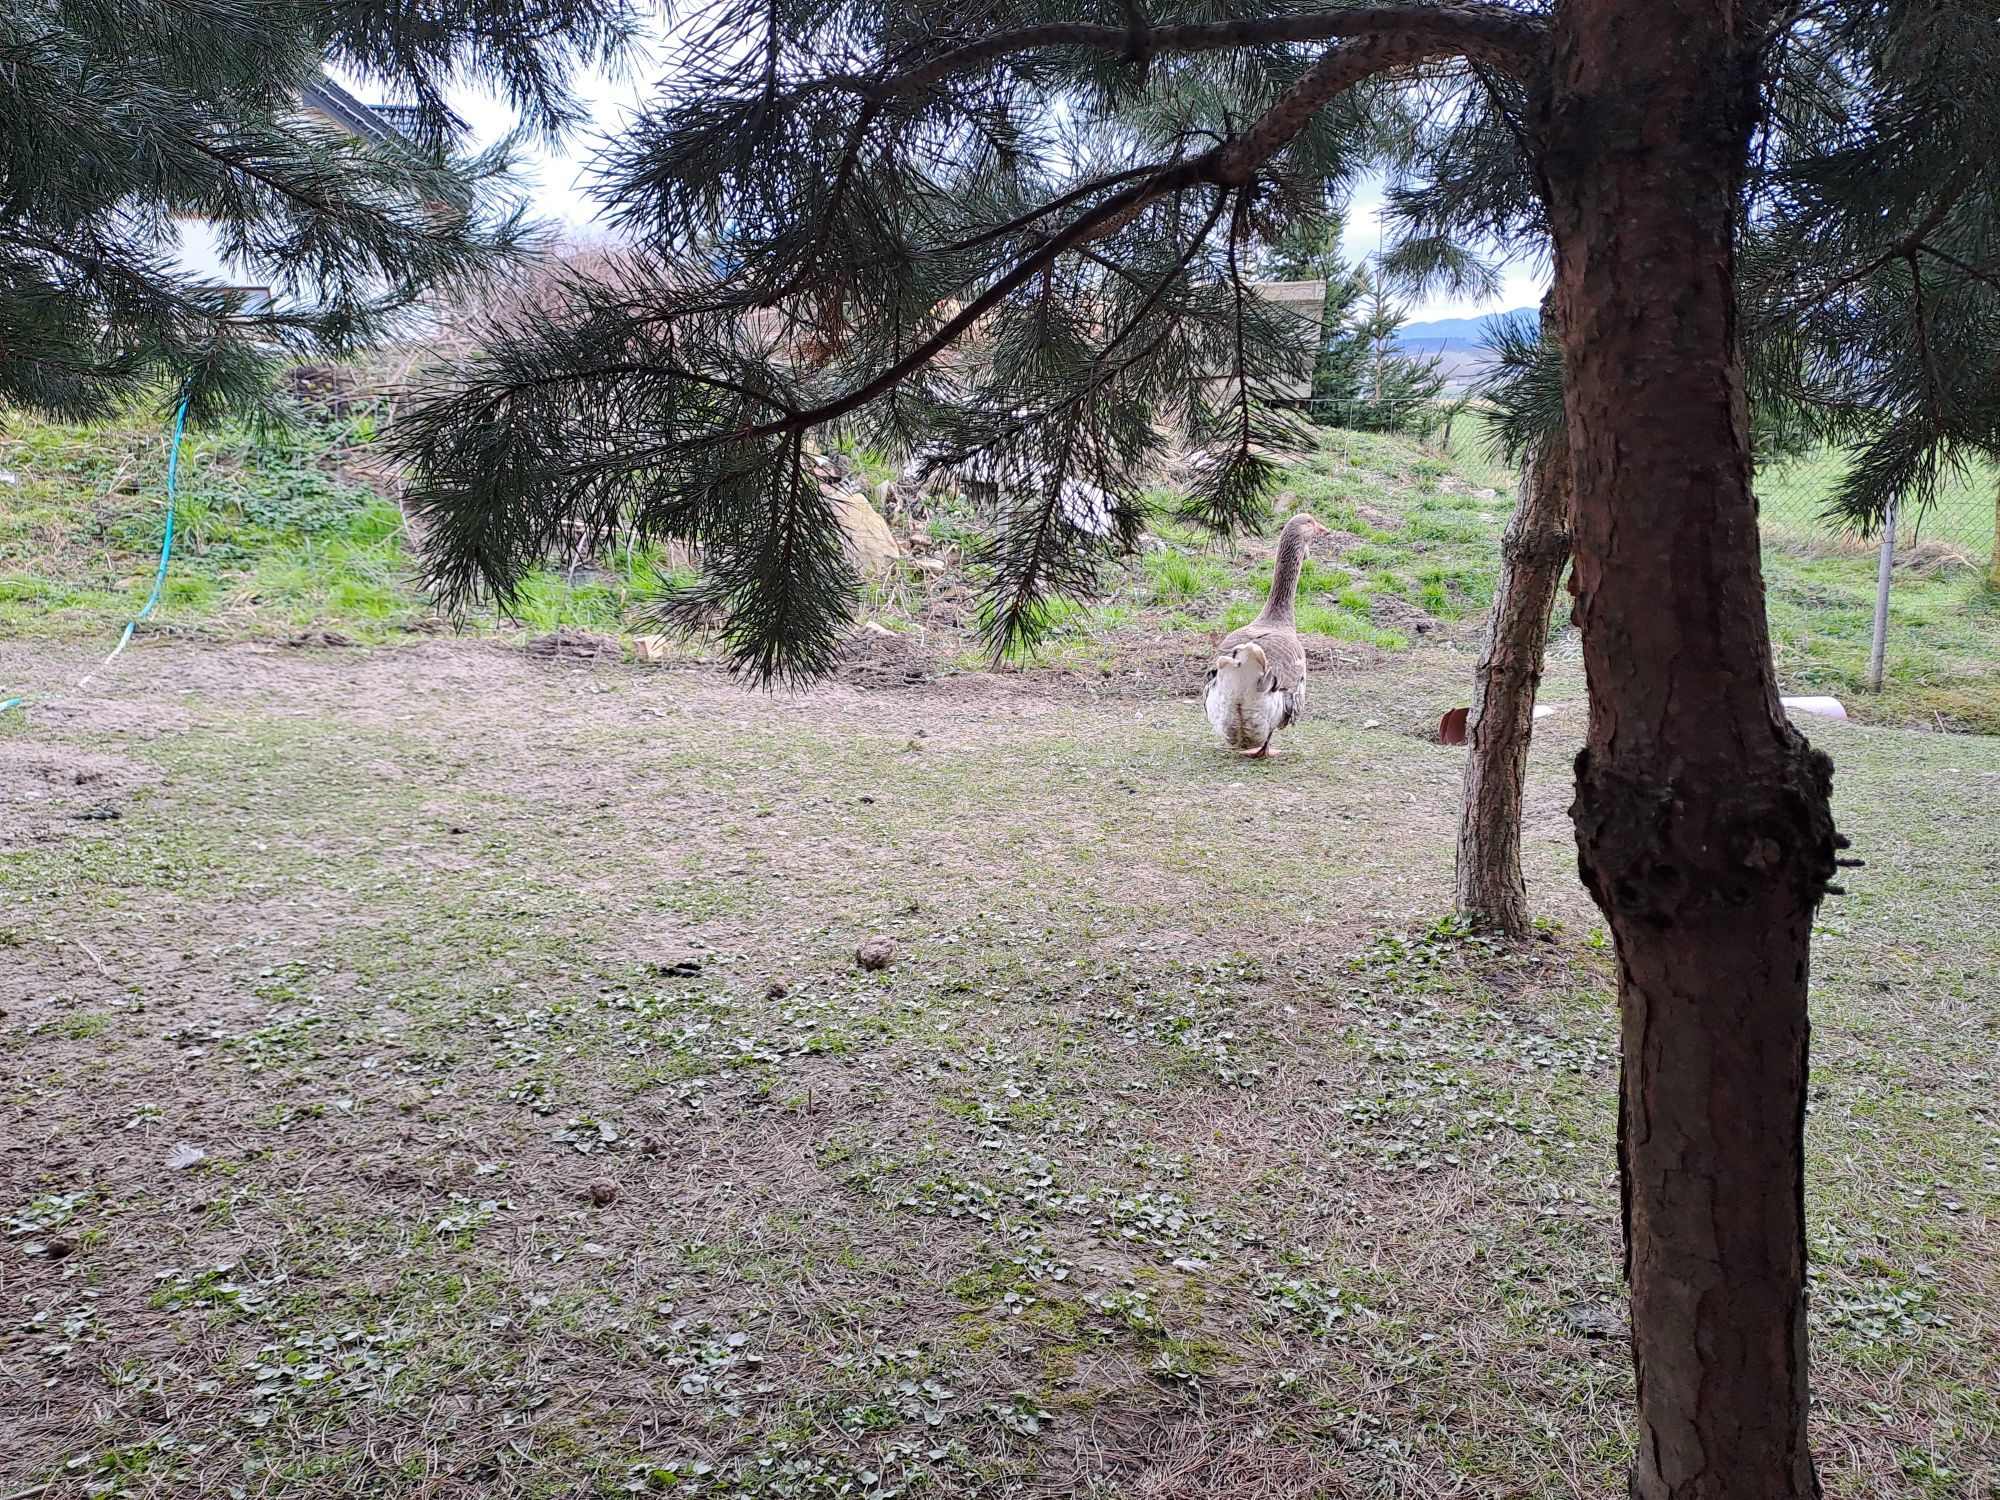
[
  {"x": 317, "y": 639},
  {"x": 1933, "y": 557},
  {"x": 1392, "y": 612},
  {"x": 883, "y": 659},
  {"x": 573, "y": 645}
]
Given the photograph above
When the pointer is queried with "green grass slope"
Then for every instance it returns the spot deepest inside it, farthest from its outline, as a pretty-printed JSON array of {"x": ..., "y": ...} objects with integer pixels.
[{"x": 283, "y": 532}]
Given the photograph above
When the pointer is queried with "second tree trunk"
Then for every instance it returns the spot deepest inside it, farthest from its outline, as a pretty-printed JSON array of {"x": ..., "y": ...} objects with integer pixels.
[{"x": 1491, "y": 888}]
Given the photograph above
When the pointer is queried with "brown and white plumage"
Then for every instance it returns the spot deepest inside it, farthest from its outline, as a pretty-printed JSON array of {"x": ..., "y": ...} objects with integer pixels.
[
  {"x": 1257, "y": 683},
  {"x": 1244, "y": 703}
]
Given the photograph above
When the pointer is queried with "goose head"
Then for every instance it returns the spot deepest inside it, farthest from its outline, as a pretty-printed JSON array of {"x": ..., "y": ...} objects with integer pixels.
[{"x": 1246, "y": 658}]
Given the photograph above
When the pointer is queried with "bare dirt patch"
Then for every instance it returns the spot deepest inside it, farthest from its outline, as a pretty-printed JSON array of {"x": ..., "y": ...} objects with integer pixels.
[{"x": 49, "y": 793}]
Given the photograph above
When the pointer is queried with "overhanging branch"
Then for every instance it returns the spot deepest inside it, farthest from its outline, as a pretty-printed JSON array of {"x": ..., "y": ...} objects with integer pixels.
[
  {"x": 1229, "y": 165},
  {"x": 1495, "y": 34}
]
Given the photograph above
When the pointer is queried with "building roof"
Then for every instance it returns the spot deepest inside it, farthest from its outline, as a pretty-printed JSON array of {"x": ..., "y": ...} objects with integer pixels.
[
  {"x": 407, "y": 120},
  {"x": 1306, "y": 298},
  {"x": 376, "y": 124}
]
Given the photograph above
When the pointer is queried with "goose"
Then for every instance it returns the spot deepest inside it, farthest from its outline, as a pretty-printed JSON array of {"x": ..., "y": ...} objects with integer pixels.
[{"x": 1257, "y": 684}]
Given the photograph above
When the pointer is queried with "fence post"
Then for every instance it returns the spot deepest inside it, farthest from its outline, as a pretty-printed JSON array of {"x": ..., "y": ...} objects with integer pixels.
[{"x": 1883, "y": 571}]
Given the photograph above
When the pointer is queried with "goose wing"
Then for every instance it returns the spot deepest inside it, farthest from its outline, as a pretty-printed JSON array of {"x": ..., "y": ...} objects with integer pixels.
[{"x": 1287, "y": 657}]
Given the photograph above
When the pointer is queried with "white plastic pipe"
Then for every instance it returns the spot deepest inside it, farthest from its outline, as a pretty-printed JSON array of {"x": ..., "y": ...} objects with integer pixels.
[{"x": 1826, "y": 708}]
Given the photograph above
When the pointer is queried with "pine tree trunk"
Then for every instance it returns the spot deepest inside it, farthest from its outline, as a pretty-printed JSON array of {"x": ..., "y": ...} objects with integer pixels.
[
  {"x": 1500, "y": 725},
  {"x": 1703, "y": 823}
]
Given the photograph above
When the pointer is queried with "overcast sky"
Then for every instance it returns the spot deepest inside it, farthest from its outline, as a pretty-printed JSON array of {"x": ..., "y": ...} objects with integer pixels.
[{"x": 561, "y": 180}]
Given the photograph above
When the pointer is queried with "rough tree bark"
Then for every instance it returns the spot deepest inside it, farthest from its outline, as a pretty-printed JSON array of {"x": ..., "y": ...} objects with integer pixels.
[
  {"x": 1500, "y": 725},
  {"x": 1703, "y": 824}
]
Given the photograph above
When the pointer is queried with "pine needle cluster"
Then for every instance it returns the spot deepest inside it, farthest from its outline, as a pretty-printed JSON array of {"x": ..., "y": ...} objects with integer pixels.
[
  {"x": 1868, "y": 261},
  {"x": 119, "y": 118},
  {"x": 1016, "y": 237}
]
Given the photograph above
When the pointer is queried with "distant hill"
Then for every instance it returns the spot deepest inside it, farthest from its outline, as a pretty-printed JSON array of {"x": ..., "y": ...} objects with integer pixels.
[
  {"x": 1455, "y": 333},
  {"x": 1458, "y": 343}
]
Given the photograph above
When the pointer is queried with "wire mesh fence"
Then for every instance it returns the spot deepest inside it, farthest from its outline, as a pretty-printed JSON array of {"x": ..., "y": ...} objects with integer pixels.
[
  {"x": 1847, "y": 612},
  {"x": 1794, "y": 496},
  {"x": 1795, "y": 499},
  {"x": 1416, "y": 416}
]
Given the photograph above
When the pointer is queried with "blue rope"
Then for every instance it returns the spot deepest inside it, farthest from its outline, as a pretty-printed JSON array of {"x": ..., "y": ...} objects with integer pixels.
[
  {"x": 166, "y": 546},
  {"x": 173, "y": 485}
]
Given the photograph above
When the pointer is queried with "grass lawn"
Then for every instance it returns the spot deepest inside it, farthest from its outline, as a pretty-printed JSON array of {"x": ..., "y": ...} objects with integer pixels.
[
  {"x": 550, "y": 1142},
  {"x": 431, "y": 1070}
]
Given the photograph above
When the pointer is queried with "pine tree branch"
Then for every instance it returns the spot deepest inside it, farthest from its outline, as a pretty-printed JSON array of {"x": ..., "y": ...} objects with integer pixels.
[
  {"x": 1101, "y": 219},
  {"x": 1926, "y": 356},
  {"x": 1181, "y": 263},
  {"x": 630, "y": 367},
  {"x": 346, "y": 208},
  {"x": 1239, "y": 295},
  {"x": 1985, "y": 278},
  {"x": 1229, "y": 165},
  {"x": 1055, "y": 205},
  {"x": 1504, "y": 37},
  {"x": 1968, "y": 176},
  {"x": 1339, "y": 70}
]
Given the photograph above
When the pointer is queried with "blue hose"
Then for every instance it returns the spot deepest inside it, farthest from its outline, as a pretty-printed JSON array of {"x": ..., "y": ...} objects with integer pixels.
[
  {"x": 166, "y": 548},
  {"x": 173, "y": 484}
]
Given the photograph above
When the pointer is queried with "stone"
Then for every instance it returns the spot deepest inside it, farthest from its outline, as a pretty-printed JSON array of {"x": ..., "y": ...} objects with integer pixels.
[
  {"x": 865, "y": 537},
  {"x": 875, "y": 953}
]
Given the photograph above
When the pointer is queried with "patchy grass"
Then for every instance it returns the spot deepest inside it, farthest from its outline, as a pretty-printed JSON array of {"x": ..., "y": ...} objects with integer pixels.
[
  {"x": 275, "y": 532},
  {"x": 430, "y": 1072},
  {"x": 550, "y": 1142},
  {"x": 1943, "y": 656},
  {"x": 283, "y": 533}
]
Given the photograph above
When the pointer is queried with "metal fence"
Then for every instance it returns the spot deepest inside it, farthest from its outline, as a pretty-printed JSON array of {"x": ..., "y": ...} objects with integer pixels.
[
  {"x": 1794, "y": 500},
  {"x": 1953, "y": 525},
  {"x": 1794, "y": 496},
  {"x": 1415, "y": 416},
  {"x": 1949, "y": 528}
]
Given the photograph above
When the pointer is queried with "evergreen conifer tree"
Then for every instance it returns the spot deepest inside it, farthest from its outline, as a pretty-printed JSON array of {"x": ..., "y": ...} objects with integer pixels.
[
  {"x": 1867, "y": 303},
  {"x": 943, "y": 226},
  {"x": 1394, "y": 391},
  {"x": 119, "y": 116}
]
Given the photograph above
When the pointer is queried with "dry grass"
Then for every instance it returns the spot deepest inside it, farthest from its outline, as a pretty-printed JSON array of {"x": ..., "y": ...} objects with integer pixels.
[{"x": 1180, "y": 1152}]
